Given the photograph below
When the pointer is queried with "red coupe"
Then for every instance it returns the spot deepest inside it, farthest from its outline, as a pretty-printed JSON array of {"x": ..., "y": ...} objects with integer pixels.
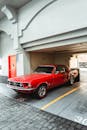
[{"x": 43, "y": 78}]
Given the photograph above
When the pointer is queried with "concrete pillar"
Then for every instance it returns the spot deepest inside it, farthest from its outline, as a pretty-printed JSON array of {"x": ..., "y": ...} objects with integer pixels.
[
  {"x": 74, "y": 61},
  {"x": 23, "y": 63}
]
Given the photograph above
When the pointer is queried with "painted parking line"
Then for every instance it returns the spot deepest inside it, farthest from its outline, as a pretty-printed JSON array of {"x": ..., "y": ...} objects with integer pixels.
[{"x": 59, "y": 98}]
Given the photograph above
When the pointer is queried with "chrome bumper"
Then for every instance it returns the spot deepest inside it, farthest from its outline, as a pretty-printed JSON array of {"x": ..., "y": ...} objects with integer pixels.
[{"x": 20, "y": 88}]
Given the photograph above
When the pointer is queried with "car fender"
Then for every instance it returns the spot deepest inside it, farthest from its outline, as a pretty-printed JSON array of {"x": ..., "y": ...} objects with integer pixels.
[{"x": 42, "y": 83}]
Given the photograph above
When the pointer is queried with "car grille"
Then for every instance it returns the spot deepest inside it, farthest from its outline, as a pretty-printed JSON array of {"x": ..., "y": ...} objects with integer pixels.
[{"x": 15, "y": 84}]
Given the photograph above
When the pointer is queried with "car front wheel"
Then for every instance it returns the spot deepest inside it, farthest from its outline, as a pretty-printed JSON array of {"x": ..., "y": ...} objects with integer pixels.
[{"x": 41, "y": 91}]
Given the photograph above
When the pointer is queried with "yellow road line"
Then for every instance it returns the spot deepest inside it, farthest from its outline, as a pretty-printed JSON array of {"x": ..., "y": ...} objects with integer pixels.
[{"x": 59, "y": 98}]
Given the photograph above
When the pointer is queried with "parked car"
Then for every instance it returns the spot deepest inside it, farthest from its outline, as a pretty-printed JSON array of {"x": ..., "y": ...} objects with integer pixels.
[{"x": 42, "y": 79}]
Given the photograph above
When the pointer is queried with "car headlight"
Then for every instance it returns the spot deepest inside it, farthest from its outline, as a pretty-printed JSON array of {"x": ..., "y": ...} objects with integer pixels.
[{"x": 28, "y": 85}]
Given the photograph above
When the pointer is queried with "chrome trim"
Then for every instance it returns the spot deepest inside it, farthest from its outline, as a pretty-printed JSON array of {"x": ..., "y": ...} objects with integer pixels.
[{"x": 20, "y": 88}]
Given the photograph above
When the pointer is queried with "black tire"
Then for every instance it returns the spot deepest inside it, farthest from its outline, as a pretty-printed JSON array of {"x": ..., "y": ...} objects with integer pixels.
[
  {"x": 41, "y": 92},
  {"x": 77, "y": 79}
]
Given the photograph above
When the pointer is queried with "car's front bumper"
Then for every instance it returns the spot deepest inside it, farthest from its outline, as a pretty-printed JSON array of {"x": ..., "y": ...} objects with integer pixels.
[{"x": 21, "y": 89}]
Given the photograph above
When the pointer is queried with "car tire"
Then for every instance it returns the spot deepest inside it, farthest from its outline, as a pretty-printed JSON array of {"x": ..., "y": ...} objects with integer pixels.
[
  {"x": 77, "y": 79},
  {"x": 41, "y": 92},
  {"x": 72, "y": 80}
]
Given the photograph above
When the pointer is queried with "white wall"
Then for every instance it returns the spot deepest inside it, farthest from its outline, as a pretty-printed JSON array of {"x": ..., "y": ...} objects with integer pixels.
[
  {"x": 38, "y": 58},
  {"x": 59, "y": 17},
  {"x": 6, "y": 49},
  {"x": 23, "y": 63},
  {"x": 62, "y": 58},
  {"x": 6, "y": 26}
]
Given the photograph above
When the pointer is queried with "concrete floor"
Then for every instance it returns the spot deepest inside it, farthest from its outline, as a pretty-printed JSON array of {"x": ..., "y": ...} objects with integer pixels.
[
  {"x": 16, "y": 115},
  {"x": 72, "y": 106}
]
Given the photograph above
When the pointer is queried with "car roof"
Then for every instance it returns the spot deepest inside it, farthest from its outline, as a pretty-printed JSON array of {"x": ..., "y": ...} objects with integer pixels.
[{"x": 53, "y": 65}]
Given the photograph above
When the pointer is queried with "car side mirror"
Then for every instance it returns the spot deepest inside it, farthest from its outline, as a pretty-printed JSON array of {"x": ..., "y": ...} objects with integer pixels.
[
  {"x": 56, "y": 72},
  {"x": 62, "y": 71}
]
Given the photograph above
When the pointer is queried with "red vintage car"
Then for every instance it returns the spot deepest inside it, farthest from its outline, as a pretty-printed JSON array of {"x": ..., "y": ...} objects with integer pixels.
[{"x": 42, "y": 79}]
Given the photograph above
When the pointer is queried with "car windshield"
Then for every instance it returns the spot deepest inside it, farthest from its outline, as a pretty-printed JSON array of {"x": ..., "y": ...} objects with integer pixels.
[{"x": 44, "y": 69}]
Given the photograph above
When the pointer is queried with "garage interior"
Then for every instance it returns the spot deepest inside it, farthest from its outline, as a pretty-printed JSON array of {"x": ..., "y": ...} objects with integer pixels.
[{"x": 74, "y": 56}]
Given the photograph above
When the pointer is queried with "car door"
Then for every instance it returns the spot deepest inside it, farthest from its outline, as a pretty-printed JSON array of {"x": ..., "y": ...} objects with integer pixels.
[{"x": 59, "y": 76}]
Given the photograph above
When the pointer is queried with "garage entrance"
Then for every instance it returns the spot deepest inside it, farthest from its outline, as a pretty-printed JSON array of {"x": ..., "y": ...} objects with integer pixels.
[
  {"x": 41, "y": 58},
  {"x": 74, "y": 61},
  {"x": 74, "y": 56}
]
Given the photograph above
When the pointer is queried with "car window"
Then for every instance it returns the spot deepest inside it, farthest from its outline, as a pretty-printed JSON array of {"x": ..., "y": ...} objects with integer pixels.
[
  {"x": 60, "y": 69},
  {"x": 44, "y": 69}
]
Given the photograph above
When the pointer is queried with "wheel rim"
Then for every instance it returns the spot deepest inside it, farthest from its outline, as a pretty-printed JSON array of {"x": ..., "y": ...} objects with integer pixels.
[{"x": 42, "y": 91}]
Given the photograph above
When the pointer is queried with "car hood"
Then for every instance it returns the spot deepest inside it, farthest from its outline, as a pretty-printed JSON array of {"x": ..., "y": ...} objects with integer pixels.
[{"x": 28, "y": 78}]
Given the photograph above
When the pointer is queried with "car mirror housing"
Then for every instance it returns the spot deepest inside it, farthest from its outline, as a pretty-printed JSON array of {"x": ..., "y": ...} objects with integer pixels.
[
  {"x": 62, "y": 71},
  {"x": 56, "y": 72}
]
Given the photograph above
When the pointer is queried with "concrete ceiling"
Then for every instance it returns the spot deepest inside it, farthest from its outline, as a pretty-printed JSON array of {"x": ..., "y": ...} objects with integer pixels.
[
  {"x": 13, "y": 3},
  {"x": 74, "y": 48}
]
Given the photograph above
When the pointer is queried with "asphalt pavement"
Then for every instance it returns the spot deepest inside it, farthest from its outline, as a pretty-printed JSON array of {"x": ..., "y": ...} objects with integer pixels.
[
  {"x": 16, "y": 114},
  {"x": 69, "y": 102}
]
